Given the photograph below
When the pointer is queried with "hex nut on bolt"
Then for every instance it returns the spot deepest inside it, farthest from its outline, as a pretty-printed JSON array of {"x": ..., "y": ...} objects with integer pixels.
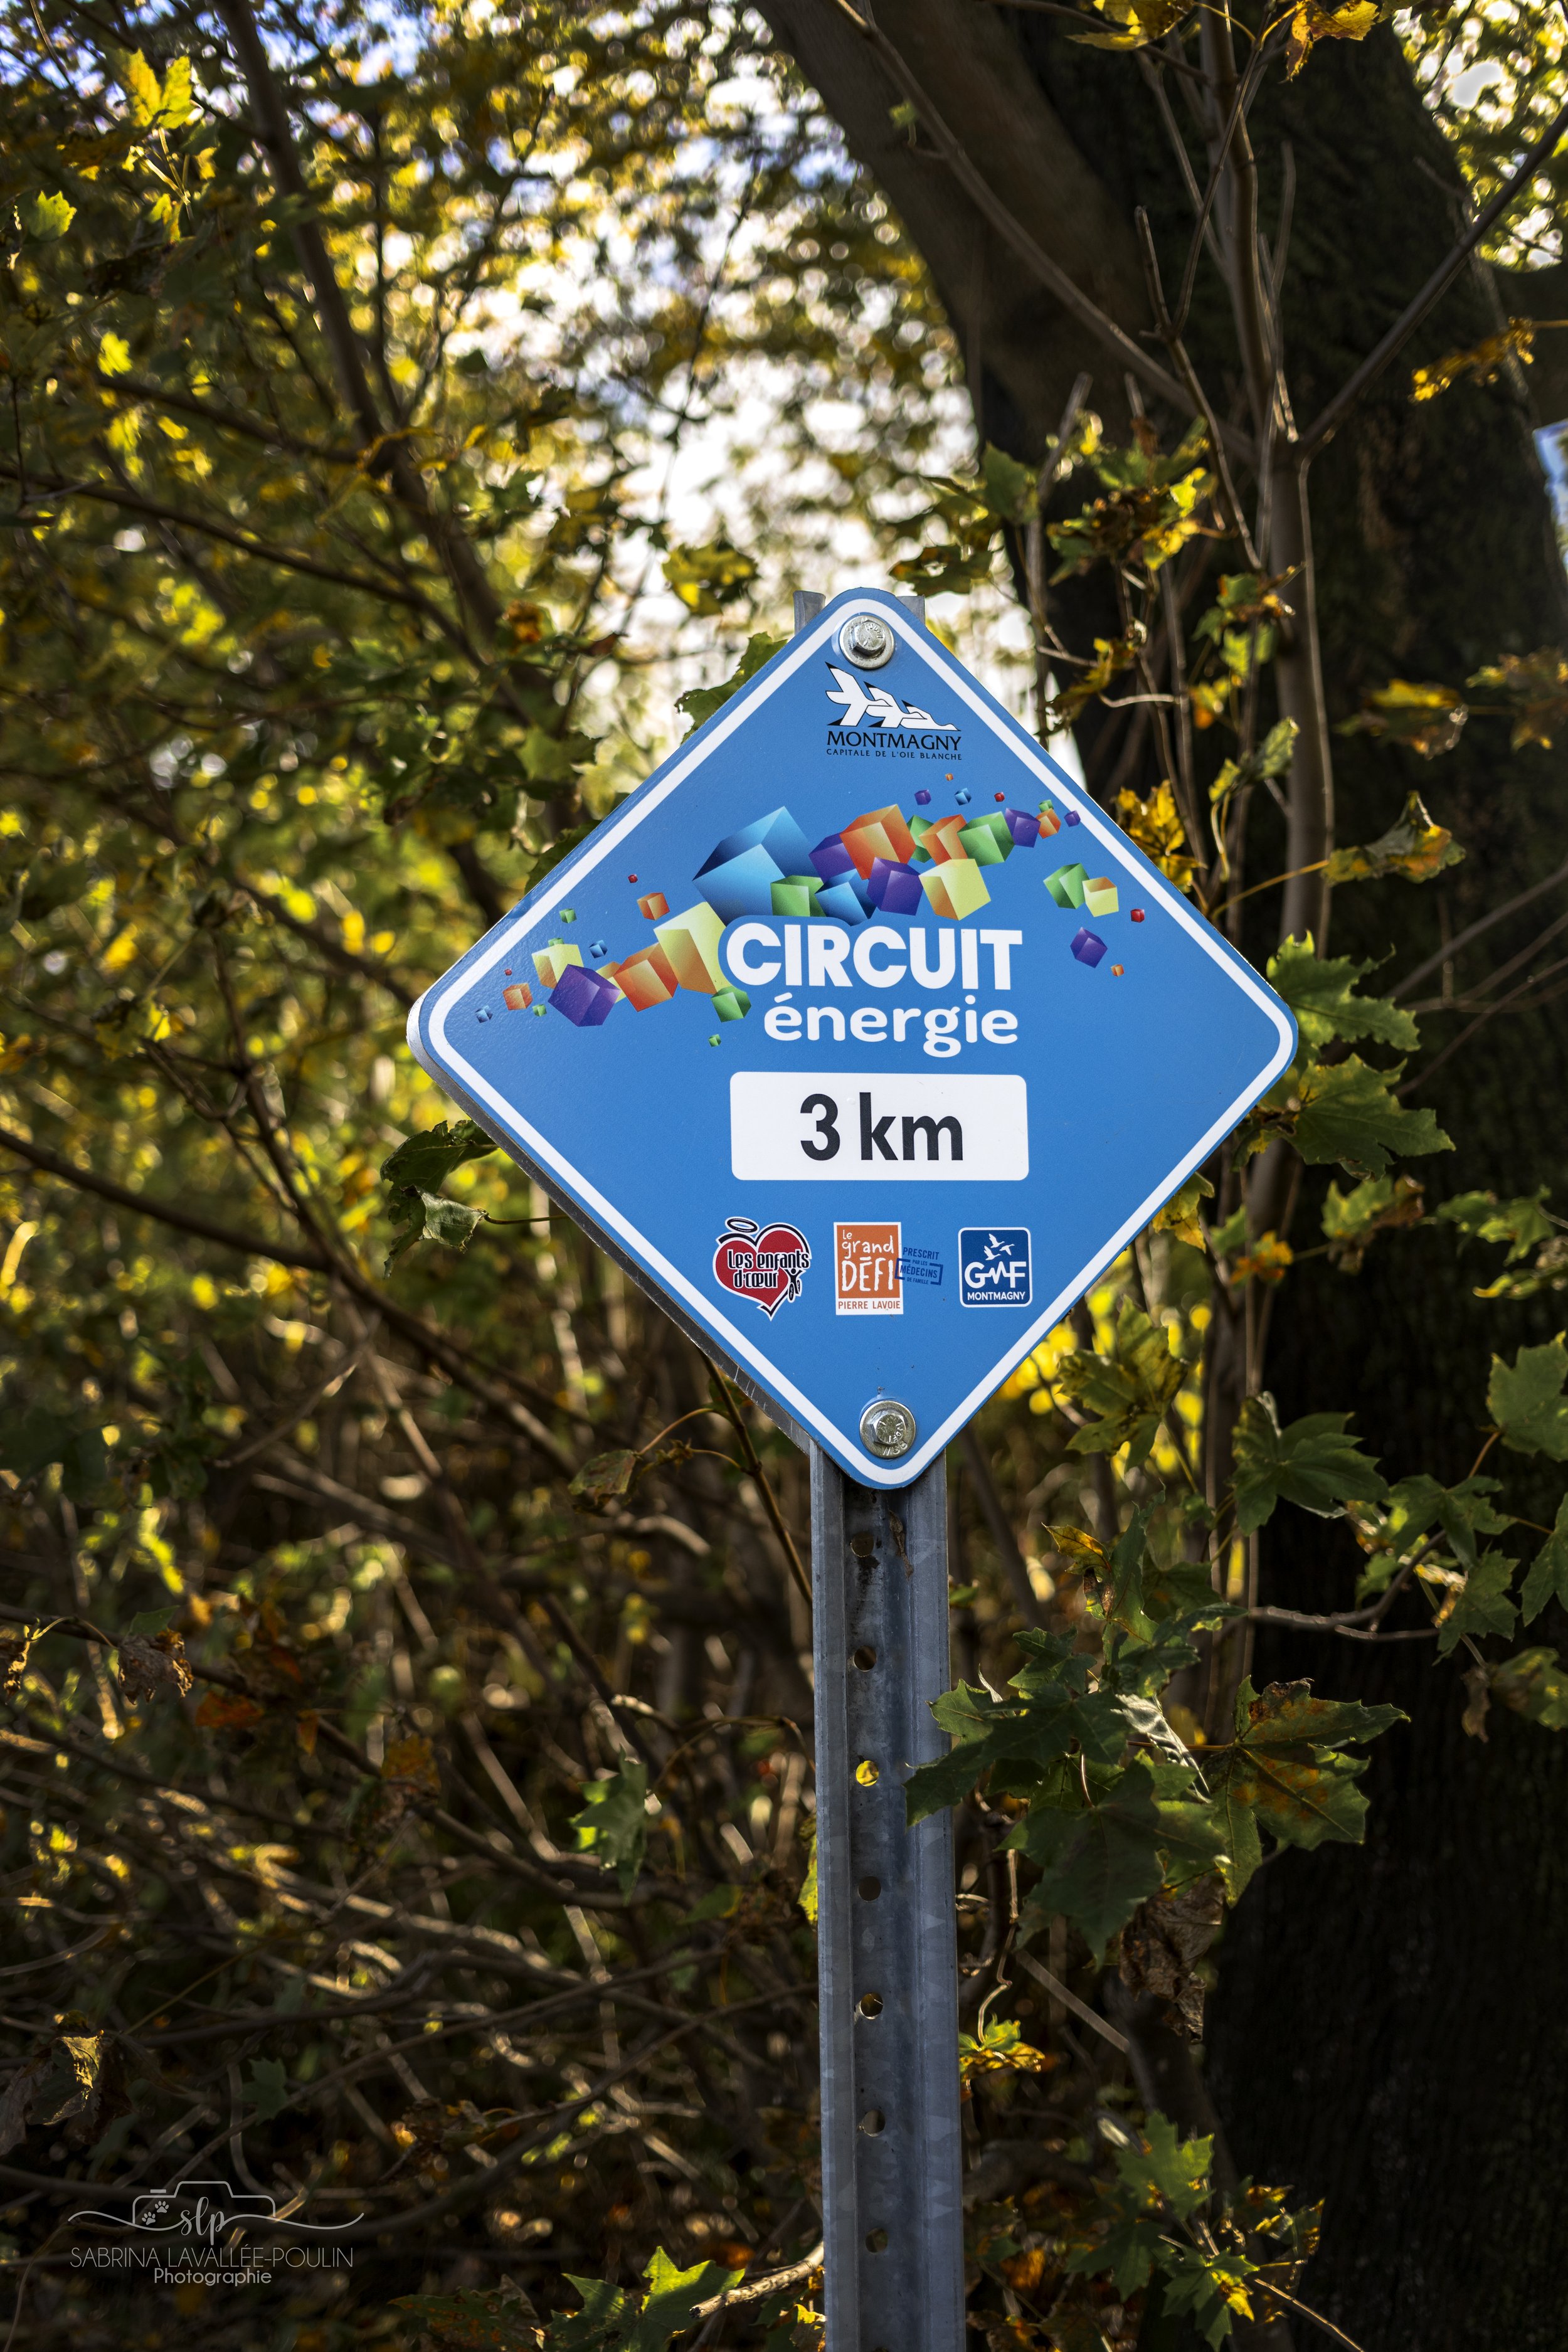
[
  {"x": 867, "y": 641},
  {"x": 886, "y": 1429}
]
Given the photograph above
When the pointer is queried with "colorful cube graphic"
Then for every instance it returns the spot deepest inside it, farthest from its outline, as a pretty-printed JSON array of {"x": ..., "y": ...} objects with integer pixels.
[
  {"x": 843, "y": 903},
  {"x": 831, "y": 859},
  {"x": 943, "y": 839},
  {"x": 796, "y": 896},
  {"x": 552, "y": 961},
  {"x": 955, "y": 888},
  {"x": 1065, "y": 884},
  {"x": 731, "y": 1004},
  {"x": 878, "y": 833},
  {"x": 517, "y": 997},
  {"x": 962, "y": 797},
  {"x": 738, "y": 877},
  {"x": 1049, "y": 821},
  {"x": 922, "y": 800},
  {"x": 646, "y": 979},
  {"x": 585, "y": 996},
  {"x": 1088, "y": 947},
  {"x": 1119, "y": 972},
  {"x": 987, "y": 840},
  {"x": 1024, "y": 828},
  {"x": 1138, "y": 914},
  {"x": 1073, "y": 817},
  {"x": 596, "y": 949},
  {"x": 1100, "y": 896},
  {"x": 654, "y": 908},
  {"x": 896, "y": 889},
  {"x": 690, "y": 940}
]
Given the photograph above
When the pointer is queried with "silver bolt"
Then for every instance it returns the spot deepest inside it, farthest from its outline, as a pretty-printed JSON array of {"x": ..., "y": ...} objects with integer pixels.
[
  {"x": 886, "y": 1429},
  {"x": 867, "y": 641}
]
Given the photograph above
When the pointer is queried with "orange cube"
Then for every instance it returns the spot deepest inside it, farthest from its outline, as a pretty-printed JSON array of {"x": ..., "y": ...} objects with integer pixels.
[
  {"x": 517, "y": 997},
  {"x": 880, "y": 833},
  {"x": 654, "y": 908},
  {"x": 647, "y": 977}
]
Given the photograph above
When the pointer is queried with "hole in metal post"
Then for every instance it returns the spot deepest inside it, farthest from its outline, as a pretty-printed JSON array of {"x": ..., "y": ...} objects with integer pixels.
[
  {"x": 870, "y": 2004},
  {"x": 867, "y": 1773},
  {"x": 862, "y": 1546},
  {"x": 869, "y": 1889},
  {"x": 872, "y": 2122},
  {"x": 875, "y": 2242},
  {"x": 865, "y": 1657}
]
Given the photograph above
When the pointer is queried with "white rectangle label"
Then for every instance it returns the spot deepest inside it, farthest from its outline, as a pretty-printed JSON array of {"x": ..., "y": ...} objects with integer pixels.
[{"x": 846, "y": 1129}]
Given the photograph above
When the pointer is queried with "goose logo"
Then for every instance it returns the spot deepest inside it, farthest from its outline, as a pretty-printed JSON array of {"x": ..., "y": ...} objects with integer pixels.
[{"x": 876, "y": 712}]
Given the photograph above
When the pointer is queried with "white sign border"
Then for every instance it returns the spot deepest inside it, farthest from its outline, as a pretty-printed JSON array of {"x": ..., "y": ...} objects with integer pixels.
[{"x": 431, "y": 1011}]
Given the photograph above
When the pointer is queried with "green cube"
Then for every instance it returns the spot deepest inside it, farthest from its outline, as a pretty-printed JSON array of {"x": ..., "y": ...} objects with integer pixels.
[
  {"x": 1065, "y": 884},
  {"x": 988, "y": 840},
  {"x": 731, "y": 1004},
  {"x": 796, "y": 895}
]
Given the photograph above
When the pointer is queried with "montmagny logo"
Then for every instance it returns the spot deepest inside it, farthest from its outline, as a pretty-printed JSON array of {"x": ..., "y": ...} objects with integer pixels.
[{"x": 864, "y": 705}]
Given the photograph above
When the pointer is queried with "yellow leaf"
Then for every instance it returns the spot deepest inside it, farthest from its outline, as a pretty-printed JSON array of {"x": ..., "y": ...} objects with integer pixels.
[
  {"x": 1156, "y": 827},
  {"x": 114, "y": 355},
  {"x": 177, "y": 101},
  {"x": 142, "y": 88},
  {"x": 1315, "y": 22}
]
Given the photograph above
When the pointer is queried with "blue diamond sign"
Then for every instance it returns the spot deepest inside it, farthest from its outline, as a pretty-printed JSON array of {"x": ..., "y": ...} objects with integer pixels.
[{"x": 861, "y": 1035}]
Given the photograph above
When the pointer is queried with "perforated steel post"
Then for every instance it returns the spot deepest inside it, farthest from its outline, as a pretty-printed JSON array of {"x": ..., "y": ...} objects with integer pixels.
[
  {"x": 892, "y": 2213},
  {"x": 887, "y": 1955}
]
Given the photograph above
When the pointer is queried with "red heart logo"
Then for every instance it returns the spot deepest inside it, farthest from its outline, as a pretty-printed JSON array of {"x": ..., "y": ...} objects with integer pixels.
[{"x": 764, "y": 1265}]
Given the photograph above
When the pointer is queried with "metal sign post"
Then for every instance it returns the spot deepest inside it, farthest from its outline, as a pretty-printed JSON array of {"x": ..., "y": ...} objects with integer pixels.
[
  {"x": 892, "y": 2217},
  {"x": 863, "y": 1040},
  {"x": 887, "y": 1988}
]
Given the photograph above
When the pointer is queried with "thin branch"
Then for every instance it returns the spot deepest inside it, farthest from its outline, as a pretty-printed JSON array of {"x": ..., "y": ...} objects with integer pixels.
[
  {"x": 1534, "y": 980},
  {"x": 1050, "y": 273},
  {"x": 139, "y": 1204},
  {"x": 1333, "y": 416},
  {"x": 1445, "y": 953}
]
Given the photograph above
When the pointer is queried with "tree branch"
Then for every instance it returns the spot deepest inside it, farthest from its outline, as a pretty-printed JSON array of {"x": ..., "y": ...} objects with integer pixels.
[
  {"x": 139, "y": 1204},
  {"x": 1333, "y": 416}
]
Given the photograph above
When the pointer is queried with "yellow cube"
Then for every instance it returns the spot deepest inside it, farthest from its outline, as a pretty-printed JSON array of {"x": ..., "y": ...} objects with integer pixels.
[
  {"x": 692, "y": 942},
  {"x": 1100, "y": 898},
  {"x": 955, "y": 888},
  {"x": 553, "y": 961}
]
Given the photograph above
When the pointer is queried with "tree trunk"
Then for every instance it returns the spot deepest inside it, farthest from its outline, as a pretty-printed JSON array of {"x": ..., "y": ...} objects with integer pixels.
[{"x": 1388, "y": 2035}]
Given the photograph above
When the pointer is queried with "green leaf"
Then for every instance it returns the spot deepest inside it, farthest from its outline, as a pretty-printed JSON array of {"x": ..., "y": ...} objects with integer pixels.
[
  {"x": 1352, "y": 1221},
  {"x": 1129, "y": 1391},
  {"x": 605, "y": 2312},
  {"x": 1321, "y": 992},
  {"x": 267, "y": 2086},
  {"x": 1312, "y": 1463},
  {"x": 613, "y": 1823},
  {"x": 1483, "y": 1606},
  {"x": 1533, "y": 1685},
  {"x": 1098, "y": 1864},
  {"x": 1349, "y": 1113},
  {"x": 1523, "y": 1223},
  {"x": 807, "y": 1898},
  {"x": 1415, "y": 847},
  {"x": 699, "y": 702},
  {"x": 605, "y": 1479},
  {"x": 673, "y": 2296},
  {"x": 1548, "y": 1577},
  {"x": 1285, "y": 1772},
  {"x": 424, "y": 1161},
  {"x": 45, "y": 218},
  {"x": 707, "y": 579},
  {"x": 1525, "y": 1399},
  {"x": 1009, "y": 489}
]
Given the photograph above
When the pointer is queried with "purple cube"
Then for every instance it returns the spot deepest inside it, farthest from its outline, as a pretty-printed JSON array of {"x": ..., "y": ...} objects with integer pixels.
[
  {"x": 922, "y": 800},
  {"x": 1085, "y": 945},
  {"x": 584, "y": 995},
  {"x": 831, "y": 859},
  {"x": 1024, "y": 828},
  {"x": 1072, "y": 817},
  {"x": 896, "y": 889}
]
